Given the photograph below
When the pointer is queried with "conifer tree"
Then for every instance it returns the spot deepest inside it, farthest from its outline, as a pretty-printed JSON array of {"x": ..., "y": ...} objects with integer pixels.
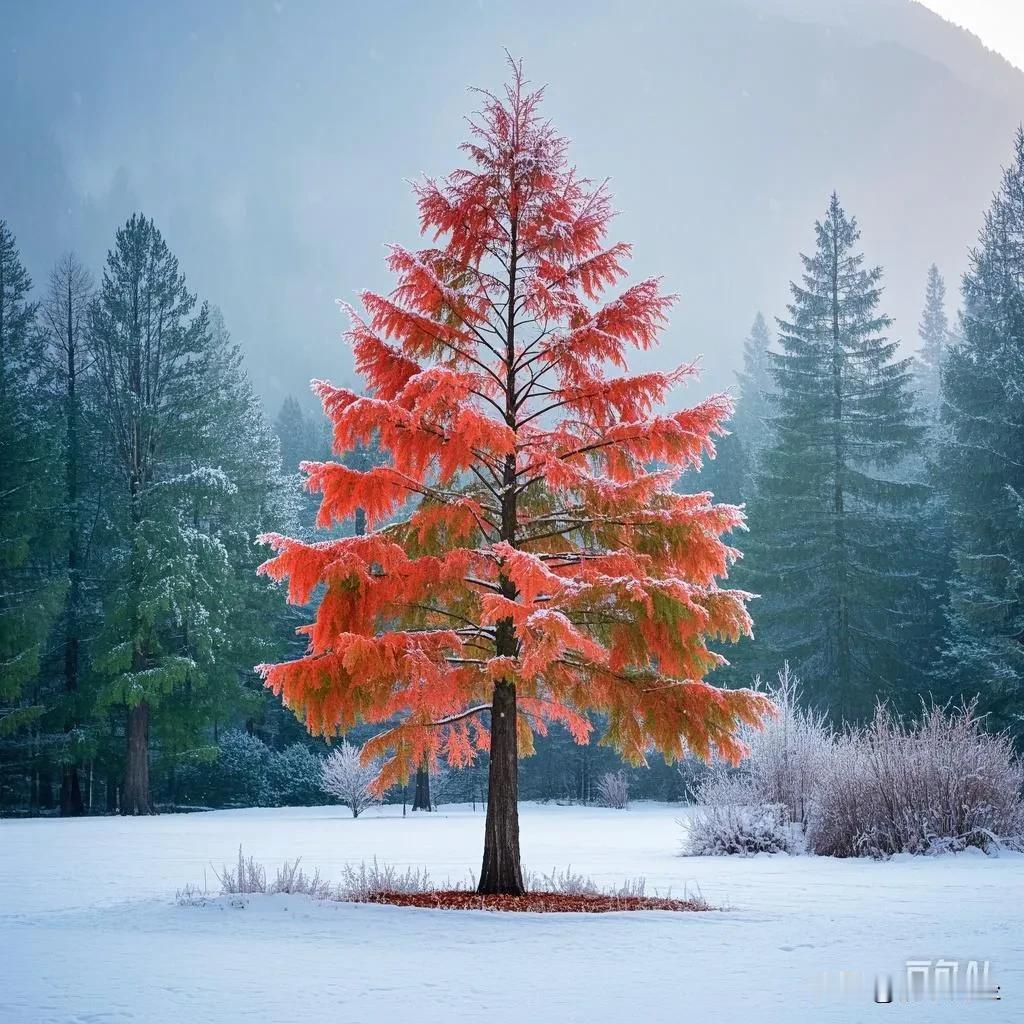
[
  {"x": 541, "y": 567},
  {"x": 753, "y": 410},
  {"x": 832, "y": 528},
  {"x": 29, "y": 496},
  {"x": 935, "y": 338},
  {"x": 295, "y": 435},
  {"x": 982, "y": 461},
  {"x": 147, "y": 340},
  {"x": 935, "y": 560},
  {"x": 64, "y": 313},
  {"x": 236, "y": 449},
  {"x": 197, "y": 469},
  {"x": 732, "y": 475}
]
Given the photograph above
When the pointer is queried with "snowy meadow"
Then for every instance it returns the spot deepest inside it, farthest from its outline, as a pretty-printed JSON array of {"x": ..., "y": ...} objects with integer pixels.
[{"x": 106, "y": 940}]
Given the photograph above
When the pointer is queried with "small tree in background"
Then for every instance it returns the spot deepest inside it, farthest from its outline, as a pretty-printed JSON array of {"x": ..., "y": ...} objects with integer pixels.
[
  {"x": 933, "y": 330},
  {"x": 752, "y": 421},
  {"x": 613, "y": 790},
  {"x": 546, "y": 567},
  {"x": 345, "y": 777}
]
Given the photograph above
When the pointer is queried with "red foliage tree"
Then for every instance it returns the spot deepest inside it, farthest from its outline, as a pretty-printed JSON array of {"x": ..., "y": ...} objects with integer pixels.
[{"x": 541, "y": 564}]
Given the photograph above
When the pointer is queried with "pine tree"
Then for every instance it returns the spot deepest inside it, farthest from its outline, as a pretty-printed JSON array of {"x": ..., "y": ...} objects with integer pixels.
[
  {"x": 832, "y": 527},
  {"x": 229, "y": 491},
  {"x": 732, "y": 475},
  {"x": 295, "y": 435},
  {"x": 753, "y": 409},
  {"x": 934, "y": 334},
  {"x": 198, "y": 470},
  {"x": 29, "y": 497},
  {"x": 64, "y": 314},
  {"x": 147, "y": 340},
  {"x": 982, "y": 462},
  {"x": 302, "y": 438},
  {"x": 935, "y": 549},
  {"x": 542, "y": 569}
]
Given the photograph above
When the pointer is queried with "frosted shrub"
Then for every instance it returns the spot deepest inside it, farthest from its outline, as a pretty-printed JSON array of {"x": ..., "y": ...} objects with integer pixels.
[
  {"x": 789, "y": 754},
  {"x": 246, "y": 877},
  {"x": 572, "y": 883},
  {"x": 293, "y": 880},
  {"x": 569, "y": 882},
  {"x": 613, "y": 790},
  {"x": 347, "y": 779},
  {"x": 359, "y": 884},
  {"x": 929, "y": 785},
  {"x": 238, "y": 776},
  {"x": 191, "y": 896},
  {"x": 294, "y": 777},
  {"x": 734, "y": 818},
  {"x": 762, "y": 806},
  {"x": 241, "y": 771}
]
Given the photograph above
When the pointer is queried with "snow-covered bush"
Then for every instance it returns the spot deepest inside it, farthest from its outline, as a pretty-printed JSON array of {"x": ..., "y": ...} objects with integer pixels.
[
  {"x": 346, "y": 778},
  {"x": 761, "y": 806},
  {"x": 244, "y": 878},
  {"x": 613, "y": 790},
  {"x": 569, "y": 882},
  {"x": 242, "y": 771},
  {"x": 191, "y": 895},
  {"x": 294, "y": 775},
  {"x": 293, "y": 880},
  {"x": 367, "y": 880},
  {"x": 936, "y": 783},
  {"x": 928, "y": 785},
  {"x": 572, "y": 883},
  {"x": 733, "y": 817},
  {"x": 788, "y": 755},
  {"x": 238, "y": 776},
  {"x": 248, "y": 877}
]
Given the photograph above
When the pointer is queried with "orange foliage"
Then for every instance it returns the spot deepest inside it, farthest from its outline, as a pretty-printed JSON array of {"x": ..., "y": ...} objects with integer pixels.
[{"x": 541, "y": 540}]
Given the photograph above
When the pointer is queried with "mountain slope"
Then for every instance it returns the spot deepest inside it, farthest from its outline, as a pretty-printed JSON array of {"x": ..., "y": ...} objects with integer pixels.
[{"x": 271, "y": 142}]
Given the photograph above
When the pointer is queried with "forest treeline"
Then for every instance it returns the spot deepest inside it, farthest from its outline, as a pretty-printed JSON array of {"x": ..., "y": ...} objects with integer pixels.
[{"x": 137, "y": 470}]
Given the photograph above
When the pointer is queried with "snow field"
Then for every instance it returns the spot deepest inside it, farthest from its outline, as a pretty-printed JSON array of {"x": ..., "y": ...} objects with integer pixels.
[{"x": 90, "y": 930}]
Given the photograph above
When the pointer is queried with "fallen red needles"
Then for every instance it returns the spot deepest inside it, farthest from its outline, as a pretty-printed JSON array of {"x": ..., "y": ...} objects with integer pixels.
[{"x": 533, "y": 902}]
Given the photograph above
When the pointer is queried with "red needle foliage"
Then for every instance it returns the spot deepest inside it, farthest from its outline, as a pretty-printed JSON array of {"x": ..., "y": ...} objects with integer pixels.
[{"x": 528, "y": 559}]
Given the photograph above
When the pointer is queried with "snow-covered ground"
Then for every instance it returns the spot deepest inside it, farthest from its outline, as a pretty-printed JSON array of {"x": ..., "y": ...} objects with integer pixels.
[{"x": 90, "y": 930}]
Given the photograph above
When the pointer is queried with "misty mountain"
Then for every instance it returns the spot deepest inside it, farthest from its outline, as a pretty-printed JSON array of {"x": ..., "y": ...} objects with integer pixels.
[{"x": 271, "y": 142}]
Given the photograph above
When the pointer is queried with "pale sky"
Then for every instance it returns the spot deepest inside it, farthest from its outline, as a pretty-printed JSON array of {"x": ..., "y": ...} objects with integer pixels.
[{"x": 999, "y": 24}]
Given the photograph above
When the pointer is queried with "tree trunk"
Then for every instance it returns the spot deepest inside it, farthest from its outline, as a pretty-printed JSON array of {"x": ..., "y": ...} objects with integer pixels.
[
  {"x": 501, "y": 871},
  {"x": 135, "y": 797},
  {"x": 111, "y": 792},
  {"x": 71, "y": 802},
  {"x": 45, "y": 787},
  {"x": 421, "y": 796}
]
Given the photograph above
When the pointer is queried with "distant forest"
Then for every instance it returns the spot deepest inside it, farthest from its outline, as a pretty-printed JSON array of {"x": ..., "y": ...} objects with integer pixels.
[{"x": 884, "y": 497}]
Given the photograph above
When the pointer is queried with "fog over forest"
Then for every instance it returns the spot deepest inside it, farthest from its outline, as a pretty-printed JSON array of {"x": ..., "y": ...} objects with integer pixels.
[{"x": 272, "y": 142}]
